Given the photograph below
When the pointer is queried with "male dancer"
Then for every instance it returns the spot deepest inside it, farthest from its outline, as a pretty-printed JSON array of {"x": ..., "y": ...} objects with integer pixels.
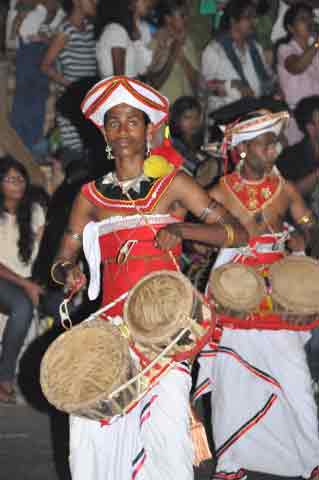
[
  {"x": 264, "y": 417},
  {"x": 117, "y": 216}
]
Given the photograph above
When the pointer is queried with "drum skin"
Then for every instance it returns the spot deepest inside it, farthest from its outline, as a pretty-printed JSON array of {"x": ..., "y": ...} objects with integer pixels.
[
  {"x": 237, "y": 290},
  {"x": 295, "y": 286},
  {"x": 83, "y": 366}
]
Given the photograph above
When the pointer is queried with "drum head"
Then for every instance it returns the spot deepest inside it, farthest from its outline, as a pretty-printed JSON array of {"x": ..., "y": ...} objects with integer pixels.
[
  {"x": 237, "y": 287},
  {"x": 295, "y": 284},
  {"x": 158, "y": 307},
  {"x": 84, "y": 365}
]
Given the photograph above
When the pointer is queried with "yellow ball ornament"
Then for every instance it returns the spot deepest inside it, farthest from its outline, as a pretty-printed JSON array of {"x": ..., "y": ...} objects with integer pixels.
[{"x": 157, "y": 166}]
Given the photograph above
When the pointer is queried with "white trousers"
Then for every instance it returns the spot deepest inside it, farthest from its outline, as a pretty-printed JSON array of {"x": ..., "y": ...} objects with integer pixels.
[
  {"x": 264, "y": 416},
  {"x": 152, "y": 442}
]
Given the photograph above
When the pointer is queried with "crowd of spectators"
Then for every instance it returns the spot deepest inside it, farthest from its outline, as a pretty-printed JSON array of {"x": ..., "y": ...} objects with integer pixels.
[{"x": 259, "y": 51}]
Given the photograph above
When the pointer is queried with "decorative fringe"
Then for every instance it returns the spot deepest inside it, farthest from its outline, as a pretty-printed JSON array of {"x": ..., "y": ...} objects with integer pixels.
[{"x": 199, "y": 438}]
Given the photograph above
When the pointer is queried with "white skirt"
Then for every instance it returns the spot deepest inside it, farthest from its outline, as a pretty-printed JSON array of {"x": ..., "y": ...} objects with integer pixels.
[
  {"x": 264, "y": 417},
  {"x": 152, "y": 442}
]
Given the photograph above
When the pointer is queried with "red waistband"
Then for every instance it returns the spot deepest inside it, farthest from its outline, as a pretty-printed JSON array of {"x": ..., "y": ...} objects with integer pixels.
[
  {"x": 261, "y": 257},
  {"x": 265, "y": 258},
  {"x": 140, "y": 241},
  {"x": 263, "y": 322}
]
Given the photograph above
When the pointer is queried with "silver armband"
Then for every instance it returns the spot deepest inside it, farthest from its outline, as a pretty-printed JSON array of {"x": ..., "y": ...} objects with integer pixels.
[
  {"x": 209, "y": 209},
  {"x": 74, "y": 235}
]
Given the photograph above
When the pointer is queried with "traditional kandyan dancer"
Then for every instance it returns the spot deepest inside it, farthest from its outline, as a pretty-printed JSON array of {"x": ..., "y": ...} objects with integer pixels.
[
  {"x": 117, "y": 218},
  {"x": 264, "y": 417}
]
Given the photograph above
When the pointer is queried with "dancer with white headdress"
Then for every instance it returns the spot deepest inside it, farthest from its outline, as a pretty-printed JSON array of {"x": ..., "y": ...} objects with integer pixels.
[
  {"x": 264, "y": 417},
  {"x": 117, "y": 218}
]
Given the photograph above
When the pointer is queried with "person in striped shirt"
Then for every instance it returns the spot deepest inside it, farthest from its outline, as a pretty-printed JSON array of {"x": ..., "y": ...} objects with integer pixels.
[{"x": 71, "y": 56}]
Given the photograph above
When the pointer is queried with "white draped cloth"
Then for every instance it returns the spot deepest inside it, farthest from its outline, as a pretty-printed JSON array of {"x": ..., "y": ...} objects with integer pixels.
[
  {"x": 153, "y": 441},
  {"x": 264, "y": 417}
]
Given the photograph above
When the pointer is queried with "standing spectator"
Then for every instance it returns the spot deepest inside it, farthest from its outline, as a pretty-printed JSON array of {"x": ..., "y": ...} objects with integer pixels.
[
  {"x": 280, "y": 8},
  {"x": 298, "y": 62},
  {"x": 122, "y": 37},
  {"x": 175, "y": 72},
  {"x": 234, "y": 62},
  {"x": 32, "y": 30},
  {"x": 21, "y": 225},
  {"x": 278, "y": 30},
  {"x": 71, "y": 56}
]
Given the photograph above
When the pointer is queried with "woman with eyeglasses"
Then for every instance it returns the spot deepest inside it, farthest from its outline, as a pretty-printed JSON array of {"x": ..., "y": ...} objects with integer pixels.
[{"x": 21, "y": 226}]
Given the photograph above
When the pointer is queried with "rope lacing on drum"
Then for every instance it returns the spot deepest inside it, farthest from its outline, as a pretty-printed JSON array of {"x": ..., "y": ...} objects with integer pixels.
[{"x": 252, "y": 250}]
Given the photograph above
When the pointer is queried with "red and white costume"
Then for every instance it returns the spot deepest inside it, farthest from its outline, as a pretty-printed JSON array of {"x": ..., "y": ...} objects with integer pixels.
[
  {"x": 152, "y": 441},
  {"x": 264, "y": 417}
]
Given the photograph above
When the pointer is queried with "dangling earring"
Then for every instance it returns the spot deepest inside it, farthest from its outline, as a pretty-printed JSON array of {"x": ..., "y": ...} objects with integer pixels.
[
  {"x": 108, "y": 151},
  {"x": 148, "y": 148},
  {"x": 241, "y": 162}
]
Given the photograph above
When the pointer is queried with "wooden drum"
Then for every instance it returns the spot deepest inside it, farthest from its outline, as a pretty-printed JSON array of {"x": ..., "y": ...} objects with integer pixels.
[
  {"x": 295, "y": 288},
  {"x": 236, "y": 290},
  {"x": 165, "y": 314},
  {"x": 84, "y": 366}
]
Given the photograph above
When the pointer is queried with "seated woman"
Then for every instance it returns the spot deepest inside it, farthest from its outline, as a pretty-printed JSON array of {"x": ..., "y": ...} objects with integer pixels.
[
  {"x": 187, "y": 131},
  {"x": 21, "y": 225},
  {"x": 187, "y": 136},
  {"x": 186, "y": 128}
]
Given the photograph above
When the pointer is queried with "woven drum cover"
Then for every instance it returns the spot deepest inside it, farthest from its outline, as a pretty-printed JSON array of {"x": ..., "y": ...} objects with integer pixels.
[
  {"x": 84, "y": 365},
  {"x": 158, "y": 307},
  {"x": 237, "y": 287},
  {"x": 295, "y": 284}
]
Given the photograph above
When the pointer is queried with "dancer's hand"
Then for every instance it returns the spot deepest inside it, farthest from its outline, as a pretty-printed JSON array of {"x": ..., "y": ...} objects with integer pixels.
[
  {"x": 75, "y": 279},
  {"x": 168, "y": 237}
]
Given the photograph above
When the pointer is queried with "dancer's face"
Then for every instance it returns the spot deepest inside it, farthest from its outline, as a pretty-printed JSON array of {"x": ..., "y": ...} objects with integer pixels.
[
  {"x": 126, "y": 131},
  {"x": 261, "y": 153}
]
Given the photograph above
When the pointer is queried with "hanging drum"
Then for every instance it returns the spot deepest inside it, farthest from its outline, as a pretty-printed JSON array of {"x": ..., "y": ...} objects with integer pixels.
[
  {"x": 166, "y": 315},
  {"x": 84, "y": 366},
  {"x": 236, "y": 290},
  {"x": 294, "y": 285}
]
